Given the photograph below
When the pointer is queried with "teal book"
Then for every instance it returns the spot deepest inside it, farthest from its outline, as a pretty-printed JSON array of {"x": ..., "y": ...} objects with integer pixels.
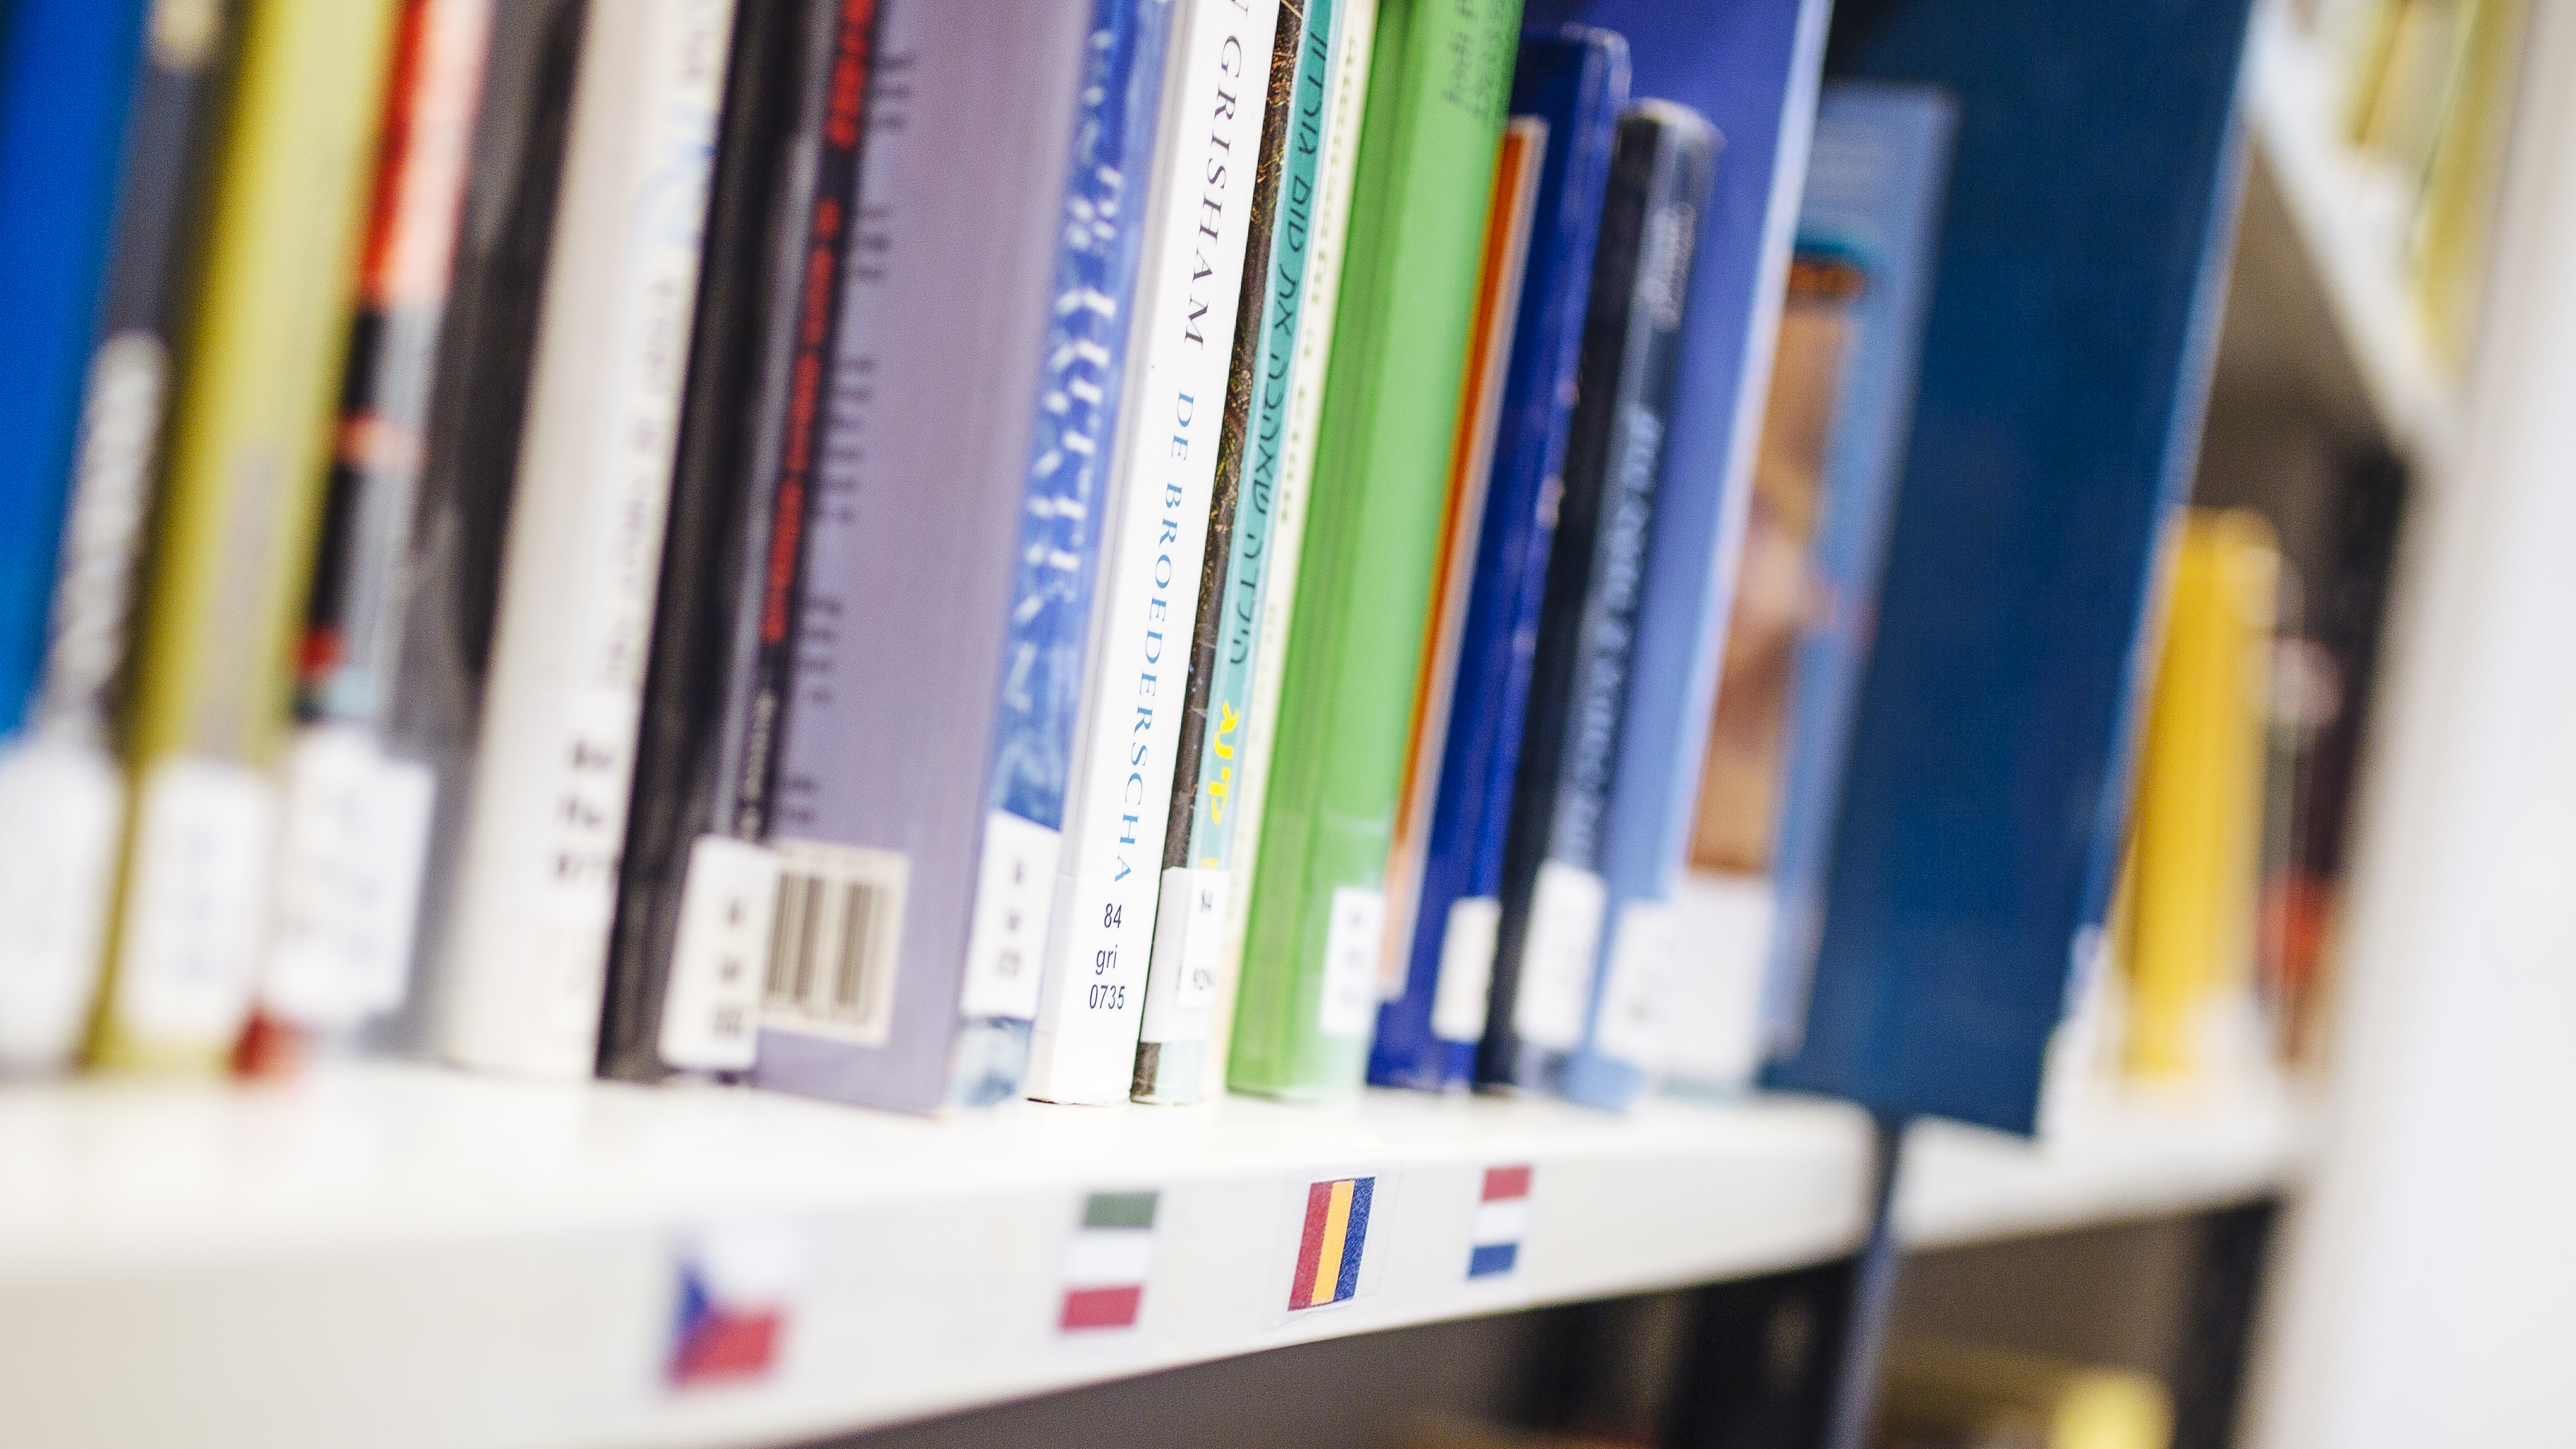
[{"x": 1317, "y": 923}]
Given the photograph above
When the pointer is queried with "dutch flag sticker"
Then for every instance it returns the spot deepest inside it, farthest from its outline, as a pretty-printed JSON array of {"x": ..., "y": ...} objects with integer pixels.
[{"x": 1502, "y": 1220}]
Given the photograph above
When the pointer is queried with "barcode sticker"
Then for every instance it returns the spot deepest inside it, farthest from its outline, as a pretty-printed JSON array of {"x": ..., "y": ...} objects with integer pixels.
[
  {"x": 1351, "y": 947},
  {"x": 355, "y": 838},
  {"x": 836, "y": 941},
  {"x": 1189, "y": 928},
  {"x": 719, "y": 955},
  {"x": 197, "y": 904},
  {"x": 1013, "y": 889},
  {"x": 1556, "y": 956},
  {"x": 60, "y": 806},
  {"x": 1641, "y": 953},
  {"x": 1466, "y": 968}
]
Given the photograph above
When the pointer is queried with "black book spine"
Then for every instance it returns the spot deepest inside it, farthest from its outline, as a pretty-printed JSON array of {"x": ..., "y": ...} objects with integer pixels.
[
  {"x": 715, "y": 691},
  {"x": 1624, "y": 380},
  {"x": 173, "y": 128}
]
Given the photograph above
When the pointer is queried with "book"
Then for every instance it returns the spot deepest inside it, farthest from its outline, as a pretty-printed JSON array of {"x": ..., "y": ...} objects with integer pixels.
[
  {"x": 1247, "y": 787},
  {"x": 1308, "y": 999},
  {"x": 1939, "y": 1393},
  {"x": 980, "y": 350},
  {"x": 1824, "y": 488},
  {"x": 112, "y": 129},
  {"x": 1574, "y": 80},
  {"x": 353, "y": 819},
  {"x": 2195, "y": 826},
  {"x": 233, "y": 556},
  {"x": 431, "y": 699},
  {"x": 1197, "y": 204},
  {"x": 1189, "y": 916},
  {"x": 1500, "y": 275},
  {"x": 1984, "y": 810},
  {"x": 695, "y": 890},
  {"x": 1751, "y": 69},
  {"x": 1553, "y": 893},
  {"x": 518, "y": 982}
]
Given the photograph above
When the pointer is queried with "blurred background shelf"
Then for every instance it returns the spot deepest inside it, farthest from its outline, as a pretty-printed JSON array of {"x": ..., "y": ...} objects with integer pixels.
[
  {"x": 313, "y": 1259},
  {"x": 2320, "y": 300}
]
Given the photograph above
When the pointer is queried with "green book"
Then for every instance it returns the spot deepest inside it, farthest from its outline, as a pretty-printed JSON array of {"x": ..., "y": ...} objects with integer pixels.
[{"x": 1436, "y": 93}]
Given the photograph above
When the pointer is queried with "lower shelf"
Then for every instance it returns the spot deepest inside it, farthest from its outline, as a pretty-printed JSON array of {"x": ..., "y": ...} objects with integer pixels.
[{"x": 396, "y": 1255}]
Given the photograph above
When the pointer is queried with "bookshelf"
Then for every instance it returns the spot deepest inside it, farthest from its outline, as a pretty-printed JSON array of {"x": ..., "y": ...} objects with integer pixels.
[
  {"x": 2346, "y": 240},
  {"x": 398, "y": 1254}
]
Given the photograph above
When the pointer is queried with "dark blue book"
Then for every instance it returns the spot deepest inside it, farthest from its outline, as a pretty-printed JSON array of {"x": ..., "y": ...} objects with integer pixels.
[
  {"x": 1576, "y": 80},
  {"x": 1633, "y": 332},
  {"x": 67, "y": 69},
  {"x": 1750, "y": 67},
  {"x": 2065, "y": 368},
  {"x": 1824, "y": 490}
]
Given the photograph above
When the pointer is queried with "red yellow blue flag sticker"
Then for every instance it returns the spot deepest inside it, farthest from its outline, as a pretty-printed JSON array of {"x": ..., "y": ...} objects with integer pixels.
[{"x": 1332, "y": 1241}]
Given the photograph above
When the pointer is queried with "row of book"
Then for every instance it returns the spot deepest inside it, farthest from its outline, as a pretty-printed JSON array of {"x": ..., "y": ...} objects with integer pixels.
[
  {"x": 921, "y": 554},
  {"x": 2427, "y": 89}
]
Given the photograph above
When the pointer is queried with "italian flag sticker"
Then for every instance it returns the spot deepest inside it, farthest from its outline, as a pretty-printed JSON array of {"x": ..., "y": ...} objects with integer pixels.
[{"x": 1107, "y": 1262}]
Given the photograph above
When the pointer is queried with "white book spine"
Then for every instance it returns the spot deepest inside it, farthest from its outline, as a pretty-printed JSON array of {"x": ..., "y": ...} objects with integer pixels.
[
  {"x": 1199, "y": 207},
  {"x": 519, "y": 989},
  {"x": 1354, "y": 37}
]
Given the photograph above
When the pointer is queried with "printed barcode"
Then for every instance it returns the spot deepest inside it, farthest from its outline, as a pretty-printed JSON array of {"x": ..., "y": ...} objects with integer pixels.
[{"x": 836, "y": 941}]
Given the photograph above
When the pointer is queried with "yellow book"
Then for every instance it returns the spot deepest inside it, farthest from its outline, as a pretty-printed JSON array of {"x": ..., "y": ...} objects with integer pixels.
[
  {"x": 1945, "y": 1393},
  {"x": 249, "y": 446},
  {"x": 2455, "y": 214},
  {"x": 2195, "y": 831}
]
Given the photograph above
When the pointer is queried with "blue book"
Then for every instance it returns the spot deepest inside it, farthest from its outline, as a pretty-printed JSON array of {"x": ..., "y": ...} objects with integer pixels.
[
  {"x": 1824, "y": 490},
  {"x": 1632, "y": 345},
  {"x": 1576, "y": 80},
  {"x": 975, "y": 390},
  {"x": 67, "y": 69},
  {"x": 1750, "y": 67},
  {"x": 2065, "y": 369}
]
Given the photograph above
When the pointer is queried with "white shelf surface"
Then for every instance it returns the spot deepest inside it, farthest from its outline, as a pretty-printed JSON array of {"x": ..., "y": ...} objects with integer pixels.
[
  {"x": 401, "y": 1255},
  {"x": 2350, "y": 232}
]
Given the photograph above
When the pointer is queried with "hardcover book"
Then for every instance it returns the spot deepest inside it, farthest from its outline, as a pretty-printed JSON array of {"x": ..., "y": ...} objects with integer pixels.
[
  {"x": 1180, "y": 982},
  {"x": 2071, "y": 333},
  {"x": 354, "y": 821},
  {"x": 1575, "y": 81},
  {"x": 106, "y": 285},
  {"x": 1749, "y": 67},
  {"x": 1197, "y": 214},
  {"x": 974, "y": 385},
  {"x": 1824, "y": 488},
  {"x": 1471, "y": 468},
  {"x": 234, "y": 553},
  {"x": 1247, "y": 776},
  {"x": 1552, "y": 888},
  {"x": 526, "y": 943},
  {"x": 1310, "y": 975},
  {"x": 695, "y": 890}
]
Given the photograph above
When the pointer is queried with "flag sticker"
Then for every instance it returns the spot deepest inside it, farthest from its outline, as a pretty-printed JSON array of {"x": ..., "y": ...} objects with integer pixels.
[
  {"x": 1332, "y": 1243},
  {"x": 738, "y": 1285},
  {"x": 1502, "y": 1220},
  {"x": 1106, "y": 1264}
]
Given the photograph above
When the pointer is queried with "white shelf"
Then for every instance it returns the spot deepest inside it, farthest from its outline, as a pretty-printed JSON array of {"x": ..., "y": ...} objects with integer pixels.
[
  {"x": 2349, "y": 235},
  {"x": 393, "y": 1255}
]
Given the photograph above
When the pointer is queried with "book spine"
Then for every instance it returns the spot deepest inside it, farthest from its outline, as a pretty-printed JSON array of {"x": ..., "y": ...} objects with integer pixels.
[
  {"x": 1575, "y": 79},
  {"x": 521, "y": 980},
  {"x": 1435, "y": 698},
  {"x": 1354, "y": 39},
  {"x": 235, "y": 547},
  {"x": 1101, "y": 931},
  {"x": 1554, "y": 894},
  {"x": 354, "y": 823},
  {"x": 1180, "y": 983},
  {"x": 695, "y": 890},
  {"x": 1426, "y": 176},
  {"x": 62, "y": 799}
]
